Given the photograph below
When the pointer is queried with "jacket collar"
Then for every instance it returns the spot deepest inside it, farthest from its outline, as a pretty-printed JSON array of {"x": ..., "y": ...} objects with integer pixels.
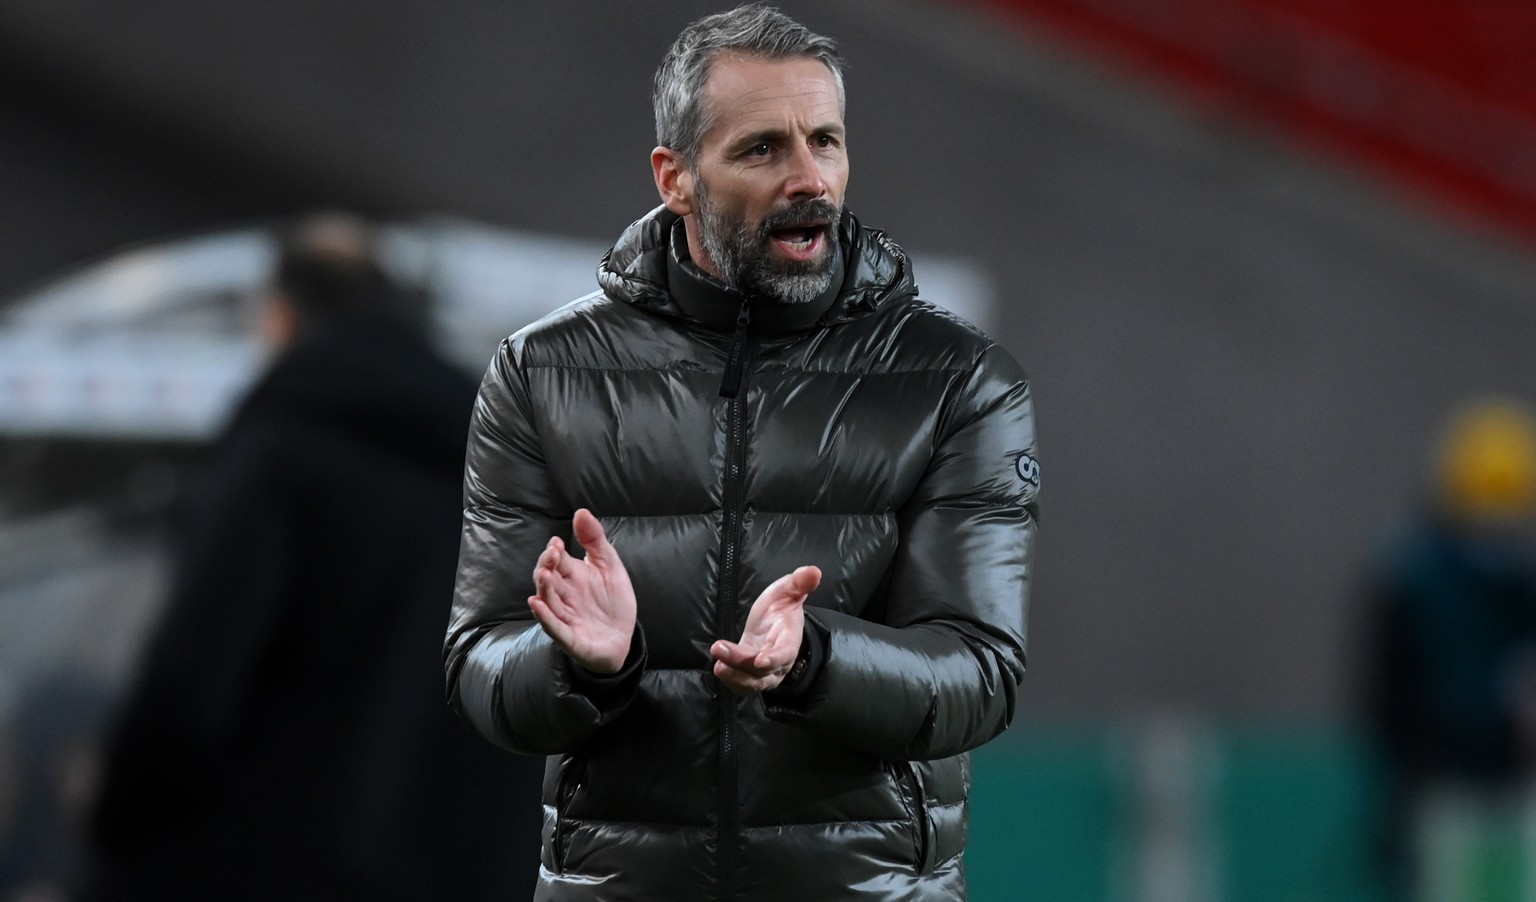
[
  {"x": 644, "y": 269},
  {"x": 706, "y": 299}
]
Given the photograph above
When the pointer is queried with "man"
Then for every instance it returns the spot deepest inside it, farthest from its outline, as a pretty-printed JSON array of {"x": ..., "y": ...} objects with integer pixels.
[
  {"x": 286, "y": 737},
  {"x": 806, "y": 501},
  {"x": 1451, "y": 654}
]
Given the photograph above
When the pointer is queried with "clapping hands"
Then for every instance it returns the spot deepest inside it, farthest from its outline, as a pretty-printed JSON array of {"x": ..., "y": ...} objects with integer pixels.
[{"x": 587, "y": 606}]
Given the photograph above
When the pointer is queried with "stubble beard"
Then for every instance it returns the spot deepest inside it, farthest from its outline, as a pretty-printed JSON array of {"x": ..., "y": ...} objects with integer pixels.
[{"x": 745, "y": 258}]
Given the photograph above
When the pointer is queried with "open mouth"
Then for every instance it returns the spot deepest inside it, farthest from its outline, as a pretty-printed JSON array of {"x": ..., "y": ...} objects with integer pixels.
[{"x": 800, "y": 242}]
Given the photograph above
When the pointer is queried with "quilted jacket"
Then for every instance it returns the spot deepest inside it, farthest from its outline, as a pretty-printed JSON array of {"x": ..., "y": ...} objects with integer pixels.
[{"x": 724, "y": 441}]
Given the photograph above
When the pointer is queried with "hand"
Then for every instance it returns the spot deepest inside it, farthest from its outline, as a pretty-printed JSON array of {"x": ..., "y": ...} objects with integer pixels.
[
  {"x": 586, "y": 606},
  {"x": 771, "y": 641}
]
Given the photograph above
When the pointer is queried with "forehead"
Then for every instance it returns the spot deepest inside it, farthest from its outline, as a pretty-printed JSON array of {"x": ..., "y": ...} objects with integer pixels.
[{"x": 749, "y": 93}]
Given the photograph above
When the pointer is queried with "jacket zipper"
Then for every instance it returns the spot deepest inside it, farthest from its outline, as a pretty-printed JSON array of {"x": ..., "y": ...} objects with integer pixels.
[
  {"x": 731, "y": 387},
  {"x": 735, "y": 358}
]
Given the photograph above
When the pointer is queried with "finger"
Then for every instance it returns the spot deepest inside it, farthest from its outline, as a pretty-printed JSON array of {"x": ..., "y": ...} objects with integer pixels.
[
  {"x": 548, "y": 558},
  {"x": 733, "y": 655},
  {"x": 743, "y": 683},
  {"x": 543, "y": 613},
  {"x": 803, "y": 581},
  {"x": 734, "y": 680},
  {"x": 772, "y": 661},
  {"x": 551, "y": 624},
  {"x": 551, "y": 588},
  {"x": 746, "y": 669},
  {"x": 555, "y": 557},
  {"x": 792, "y": 588},
  {"x": 590, "y": 533}
]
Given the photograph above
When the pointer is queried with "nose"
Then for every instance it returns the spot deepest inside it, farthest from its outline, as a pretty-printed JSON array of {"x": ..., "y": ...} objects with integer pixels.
[{"x": 805, "y": 180}]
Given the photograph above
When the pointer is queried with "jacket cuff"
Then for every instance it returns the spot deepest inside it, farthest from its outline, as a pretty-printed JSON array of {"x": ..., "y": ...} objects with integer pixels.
[
  {"x": 800, "y": 684},
  {"x": 607, "y": 690}
]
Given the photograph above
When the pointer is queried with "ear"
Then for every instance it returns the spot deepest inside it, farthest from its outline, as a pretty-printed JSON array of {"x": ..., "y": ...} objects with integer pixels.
[{"x": 674, "y": 180}]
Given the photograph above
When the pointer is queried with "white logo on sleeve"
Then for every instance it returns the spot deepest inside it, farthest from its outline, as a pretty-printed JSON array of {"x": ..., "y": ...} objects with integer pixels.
[{"x": 1028, "y": 469}]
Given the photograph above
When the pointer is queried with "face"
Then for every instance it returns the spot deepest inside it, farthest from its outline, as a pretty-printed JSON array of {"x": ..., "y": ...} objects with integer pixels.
[{"x": 762, "y": 200}]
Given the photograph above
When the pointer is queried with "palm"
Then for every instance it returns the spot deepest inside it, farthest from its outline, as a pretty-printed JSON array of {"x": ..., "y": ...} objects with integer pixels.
[
  {"x": 774, "y": 618},
  {"x": 771, "y": 639},
  {"x": 586, "y": 605}
]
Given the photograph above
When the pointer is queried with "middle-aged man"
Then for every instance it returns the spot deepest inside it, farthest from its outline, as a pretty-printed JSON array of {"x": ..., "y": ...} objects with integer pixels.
[{"x": 805, "y": 600}]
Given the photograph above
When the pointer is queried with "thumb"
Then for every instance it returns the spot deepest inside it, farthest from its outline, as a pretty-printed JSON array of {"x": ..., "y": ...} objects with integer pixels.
[
  {"x": 803, "y": 581},
  {"x": 589, "y": 533}
]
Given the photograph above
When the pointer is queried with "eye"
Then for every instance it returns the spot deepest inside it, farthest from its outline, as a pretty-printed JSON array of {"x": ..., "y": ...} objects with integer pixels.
[
  {"x": 760, "y": 149},
  {"x": 824, "y": 141}
]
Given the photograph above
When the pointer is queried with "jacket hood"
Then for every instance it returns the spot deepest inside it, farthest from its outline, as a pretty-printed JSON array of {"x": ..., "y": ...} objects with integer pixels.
[
  {"x": 636, "y": 270},
  {"x": 373, "y": 379}
]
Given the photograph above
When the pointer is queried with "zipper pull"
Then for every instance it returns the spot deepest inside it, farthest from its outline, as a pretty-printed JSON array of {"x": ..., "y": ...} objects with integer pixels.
[{"x": 730, "y": 383}]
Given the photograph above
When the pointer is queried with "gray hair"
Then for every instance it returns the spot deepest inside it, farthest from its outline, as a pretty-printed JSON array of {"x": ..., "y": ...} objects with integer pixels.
[{"x": 682, "y": 116}]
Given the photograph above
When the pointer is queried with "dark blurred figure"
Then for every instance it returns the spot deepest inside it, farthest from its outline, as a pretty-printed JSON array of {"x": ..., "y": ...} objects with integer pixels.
[
  {"x": 1453, "y": 640},
  {"x": 287, "y": 738}
]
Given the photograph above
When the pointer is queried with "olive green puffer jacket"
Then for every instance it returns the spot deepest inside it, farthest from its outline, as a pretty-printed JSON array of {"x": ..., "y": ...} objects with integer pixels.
[{"x": 869, "y": 433}]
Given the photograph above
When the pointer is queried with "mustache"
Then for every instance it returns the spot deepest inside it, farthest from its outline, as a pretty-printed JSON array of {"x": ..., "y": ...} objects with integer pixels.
[{"x": 820, "y": 211}]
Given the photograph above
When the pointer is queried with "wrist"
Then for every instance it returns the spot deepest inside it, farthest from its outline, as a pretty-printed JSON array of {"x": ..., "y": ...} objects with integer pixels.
[
  {"x": 804, "y": 672},
  {"x": 611, "y": 684},
  {"x": 607, "y": 658},
  {"x": 606, "y": 665}
]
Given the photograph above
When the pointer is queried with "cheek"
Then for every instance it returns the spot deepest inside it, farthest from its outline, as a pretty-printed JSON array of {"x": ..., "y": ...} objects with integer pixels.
[
  {"x": 730, "y": 198},
  {"x": 750, "y": 207},
  {"x": 835, "y": 174}
]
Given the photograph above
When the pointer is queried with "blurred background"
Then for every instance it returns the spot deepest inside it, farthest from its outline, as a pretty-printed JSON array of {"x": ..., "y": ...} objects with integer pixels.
[{"x": 1253, "y": 254}]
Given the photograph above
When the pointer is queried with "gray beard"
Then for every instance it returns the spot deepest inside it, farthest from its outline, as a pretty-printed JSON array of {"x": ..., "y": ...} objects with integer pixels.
[{"x": 745, "y": 262}]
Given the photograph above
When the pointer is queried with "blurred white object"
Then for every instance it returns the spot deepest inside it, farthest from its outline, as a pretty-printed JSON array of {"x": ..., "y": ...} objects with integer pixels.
[
  {"x": 1176, "y": 759},
  {"x": 156, "y": 343}
]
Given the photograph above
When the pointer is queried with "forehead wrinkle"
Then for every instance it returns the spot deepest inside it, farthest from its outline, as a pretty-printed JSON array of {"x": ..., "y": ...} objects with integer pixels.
[
  {"x": 768, "y": 109},
  {"x": 767, "y": 114},
  {"x": 753, "y": 112},
  {"x": 804, "y": 87}
]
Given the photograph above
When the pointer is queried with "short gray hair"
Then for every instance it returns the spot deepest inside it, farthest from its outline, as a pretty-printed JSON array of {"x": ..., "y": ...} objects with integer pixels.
[{"x": 756, "y": 29}]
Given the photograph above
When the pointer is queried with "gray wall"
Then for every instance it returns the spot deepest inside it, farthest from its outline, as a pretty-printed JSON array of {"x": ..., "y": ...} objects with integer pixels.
[{"x": 1240, "y": 355}]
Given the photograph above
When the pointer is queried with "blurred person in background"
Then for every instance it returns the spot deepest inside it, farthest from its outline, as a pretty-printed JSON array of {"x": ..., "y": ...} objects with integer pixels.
[
  {"x": 1453, "y": 642},
  {"x": 286, "y": 736},
  {"x": 821, "y": 497}
]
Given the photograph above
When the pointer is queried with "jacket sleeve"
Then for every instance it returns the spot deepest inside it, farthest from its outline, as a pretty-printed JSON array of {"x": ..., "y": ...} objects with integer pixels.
[
  {"x": 505, "y": 676},
  {"x": 938, "y": 673}
]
